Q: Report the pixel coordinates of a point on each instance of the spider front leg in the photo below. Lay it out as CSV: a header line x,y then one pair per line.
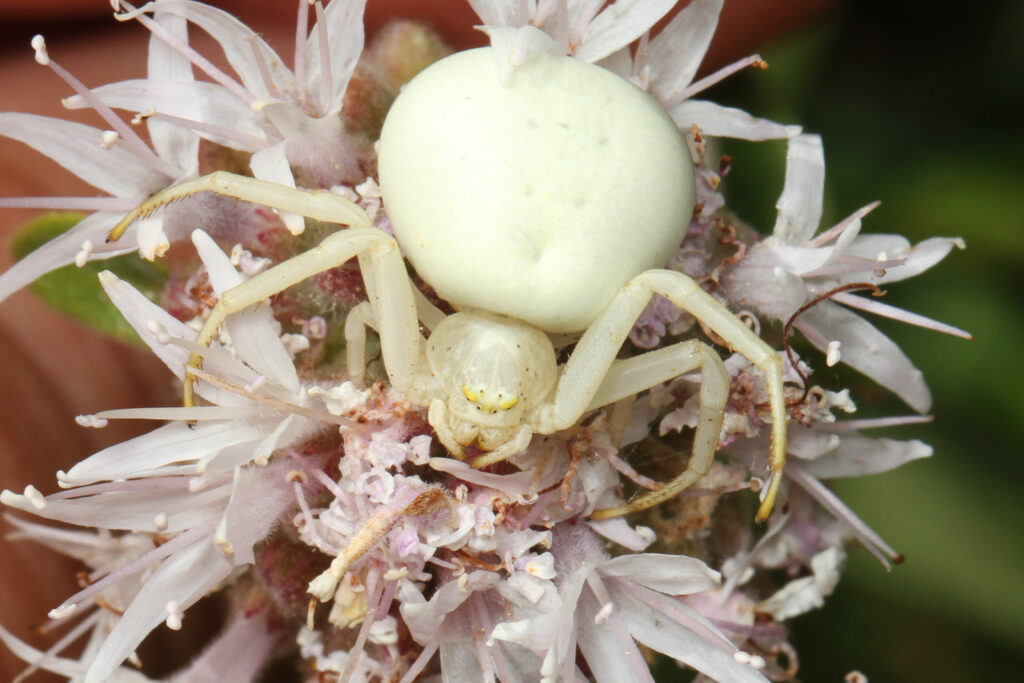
x,y
387,282
593,378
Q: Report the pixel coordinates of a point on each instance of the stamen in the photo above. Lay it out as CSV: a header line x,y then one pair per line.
x,y
839,228
108,139
417,667
832,353
133,141
874,423
261,65
878,308
174,615
71,203
82,257
228,134
301,31
35,497
91,421
204,65
179,542
364,632
39,45
710,80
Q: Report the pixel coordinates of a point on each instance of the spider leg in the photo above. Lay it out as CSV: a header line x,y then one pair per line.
x,y
635,374
389,290
582,384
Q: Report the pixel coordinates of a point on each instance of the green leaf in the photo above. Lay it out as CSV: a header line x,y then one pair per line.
x,y
76,292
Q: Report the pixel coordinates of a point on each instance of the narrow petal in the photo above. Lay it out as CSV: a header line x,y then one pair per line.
x,y
172,443
867,350
271,163
237,654
669,574
619,25
77,148
801,202
675,54
659,632
183,578
858,455
178,145
716,120
62,250
610,651
496,12
345,39
130,510
156,327
254,333
206,103
238,42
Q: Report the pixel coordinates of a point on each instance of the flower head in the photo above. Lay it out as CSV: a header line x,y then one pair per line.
x,y
346,528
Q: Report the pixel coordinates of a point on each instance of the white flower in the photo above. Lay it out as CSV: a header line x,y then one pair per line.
x,y
286,119
664,65
121,165
792,267
193,482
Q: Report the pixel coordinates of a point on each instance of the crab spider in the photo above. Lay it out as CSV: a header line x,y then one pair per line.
x,y
538,202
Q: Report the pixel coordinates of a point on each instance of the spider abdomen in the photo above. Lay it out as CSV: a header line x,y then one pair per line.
x,y
537,198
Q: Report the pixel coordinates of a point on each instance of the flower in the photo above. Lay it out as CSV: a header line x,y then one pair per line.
x,y
331,513
803,267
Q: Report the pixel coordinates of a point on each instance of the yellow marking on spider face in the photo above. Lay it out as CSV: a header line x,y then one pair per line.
x,y
478,398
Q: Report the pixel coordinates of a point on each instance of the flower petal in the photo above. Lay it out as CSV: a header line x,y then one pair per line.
x,y
172,443
254,333
858,455
659,632
866,349
800,204
271,163
669,574
183,578
515,46
206,103
178,145
716,120
345,39
675,54
62,251
619,25
496,12
77,148
239,42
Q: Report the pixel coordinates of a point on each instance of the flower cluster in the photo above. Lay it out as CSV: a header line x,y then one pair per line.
x,y
331,510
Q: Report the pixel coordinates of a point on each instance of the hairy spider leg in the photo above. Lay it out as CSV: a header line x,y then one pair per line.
x,y
387,283
592,377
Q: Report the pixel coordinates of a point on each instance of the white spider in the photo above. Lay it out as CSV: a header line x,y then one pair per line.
x,y
540,205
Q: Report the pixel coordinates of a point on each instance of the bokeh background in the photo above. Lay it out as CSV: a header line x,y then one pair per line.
x,y
920,106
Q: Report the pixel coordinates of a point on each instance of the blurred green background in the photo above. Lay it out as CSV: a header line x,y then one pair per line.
x,y
920,107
